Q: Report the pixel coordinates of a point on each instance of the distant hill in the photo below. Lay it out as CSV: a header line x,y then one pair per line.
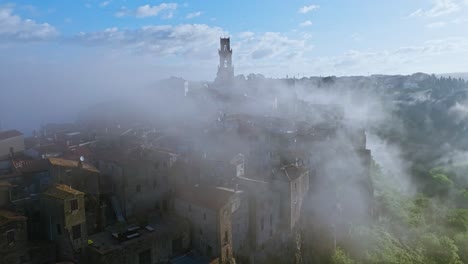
x,y
463,75
430,113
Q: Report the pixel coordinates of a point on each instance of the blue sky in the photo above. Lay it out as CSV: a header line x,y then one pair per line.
x,y
59,56
275,38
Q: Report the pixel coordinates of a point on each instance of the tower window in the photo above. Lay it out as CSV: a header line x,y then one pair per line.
x,y
74,205
225,47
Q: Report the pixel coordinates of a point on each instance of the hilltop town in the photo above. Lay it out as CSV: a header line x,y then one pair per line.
x,y
245,172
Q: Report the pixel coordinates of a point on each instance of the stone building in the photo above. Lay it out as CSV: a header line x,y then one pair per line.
x,y
85,178
140,178
164,237
210,212
63,214
11,143
275,204
13,238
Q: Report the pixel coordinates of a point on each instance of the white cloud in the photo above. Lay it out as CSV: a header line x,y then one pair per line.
x,y
439,24
193,15
306,23
440,8
439,55
273,53
164,9
246,34
147,10
269,49
15,28
308,8
192,40
105,3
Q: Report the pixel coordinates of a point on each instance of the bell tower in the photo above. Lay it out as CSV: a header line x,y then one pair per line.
x,y
225,68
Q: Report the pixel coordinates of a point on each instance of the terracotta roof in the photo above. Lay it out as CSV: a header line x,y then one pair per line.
x,y
62,191
204,196
9,134
71,164
9,216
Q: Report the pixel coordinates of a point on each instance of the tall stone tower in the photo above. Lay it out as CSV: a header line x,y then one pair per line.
x,y
225,68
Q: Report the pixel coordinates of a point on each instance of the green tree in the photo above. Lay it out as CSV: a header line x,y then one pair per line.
x,y
340,257
458,220
439,250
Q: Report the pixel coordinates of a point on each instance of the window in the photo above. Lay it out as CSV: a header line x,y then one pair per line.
x,y
226,237
10,235
59,229
138,188
262,223
201,232
74,205
190,208
204,216
76,232
155,184
271,219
